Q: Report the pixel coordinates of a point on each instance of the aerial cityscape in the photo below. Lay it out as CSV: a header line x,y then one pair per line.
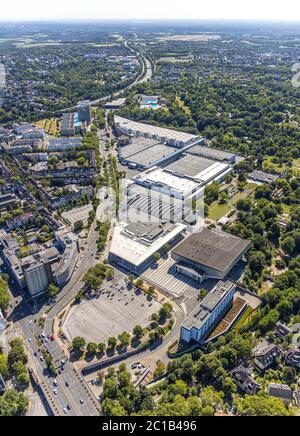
x,y
149,218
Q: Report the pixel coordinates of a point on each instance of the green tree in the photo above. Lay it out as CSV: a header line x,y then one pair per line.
x,y
91,348
156,256
258,405
78,344
138,332
3,365
112,342
13,403
101,348
52,291
124,339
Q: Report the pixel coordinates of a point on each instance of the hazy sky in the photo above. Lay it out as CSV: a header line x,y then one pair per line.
x,y
159,9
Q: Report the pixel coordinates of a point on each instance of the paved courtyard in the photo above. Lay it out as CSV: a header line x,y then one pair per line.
x,y
164,276
78,214
98,319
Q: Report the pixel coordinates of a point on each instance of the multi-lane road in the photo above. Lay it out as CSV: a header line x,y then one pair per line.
x,y
67,393
71,393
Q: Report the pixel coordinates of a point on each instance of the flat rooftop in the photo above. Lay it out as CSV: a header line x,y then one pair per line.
x,y
153,154
155,203
198,167
147,129
117,102
212,153
199,316
162,178
263,176
189,165
212,248
138,242
136,146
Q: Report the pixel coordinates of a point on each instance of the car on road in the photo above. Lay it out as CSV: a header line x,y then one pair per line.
x,y
41,358
65,410
55,391
67,384
81,401
55,382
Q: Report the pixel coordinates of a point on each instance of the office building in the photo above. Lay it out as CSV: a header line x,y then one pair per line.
x,y
202,321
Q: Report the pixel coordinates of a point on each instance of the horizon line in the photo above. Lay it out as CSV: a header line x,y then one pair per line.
x,y
143,20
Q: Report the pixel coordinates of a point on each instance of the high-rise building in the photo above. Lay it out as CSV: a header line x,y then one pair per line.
x,y
84,111
36,278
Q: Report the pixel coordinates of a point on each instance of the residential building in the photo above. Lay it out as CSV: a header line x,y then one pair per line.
x,y
7,200
20,220
69,244
282,330
265,354
245,379
283,392
292,357
64,144
36,278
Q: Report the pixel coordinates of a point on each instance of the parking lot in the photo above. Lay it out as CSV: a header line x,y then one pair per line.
x,y
116,310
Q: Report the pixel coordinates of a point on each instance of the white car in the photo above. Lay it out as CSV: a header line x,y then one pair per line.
x,y
55,382
55,391
65,410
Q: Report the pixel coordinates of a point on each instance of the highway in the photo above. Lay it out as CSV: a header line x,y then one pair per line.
x,y
146,74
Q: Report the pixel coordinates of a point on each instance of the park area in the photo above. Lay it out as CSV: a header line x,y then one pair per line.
x,y
271,164
114,312
218,210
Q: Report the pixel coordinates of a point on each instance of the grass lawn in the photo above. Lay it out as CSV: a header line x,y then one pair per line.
x,y
269,165
217,211
247,315
237,197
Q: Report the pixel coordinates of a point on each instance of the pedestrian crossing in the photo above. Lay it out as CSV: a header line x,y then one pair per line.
x,y
164,276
